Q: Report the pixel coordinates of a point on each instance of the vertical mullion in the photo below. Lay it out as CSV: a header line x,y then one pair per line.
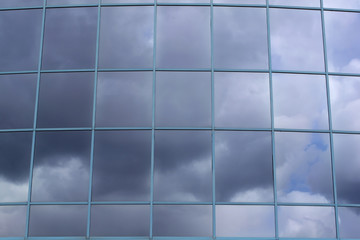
x,y
35,119
93,120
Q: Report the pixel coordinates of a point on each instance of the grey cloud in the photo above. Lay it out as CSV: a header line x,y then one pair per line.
x,y
12,221
348,222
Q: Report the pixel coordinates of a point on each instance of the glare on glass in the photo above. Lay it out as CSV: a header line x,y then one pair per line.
x,y
13,221
349,220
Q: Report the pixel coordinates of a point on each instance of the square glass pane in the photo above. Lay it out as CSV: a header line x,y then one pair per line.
x,y
296,40
234,221
303,167
306,222
12,221
124,99
345,102
120,220
65,100
20,39
347,4
183,37
122,166
70,2
349,221
242,100
303,3
61,166
17,100
241,1
182,220
243,167
15,156
300,101
347,165
70,38
183,99
342,41
240,39
182,166
58,220
126,37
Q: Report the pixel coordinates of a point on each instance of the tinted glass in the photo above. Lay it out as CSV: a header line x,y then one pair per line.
x,y
182,221
20,3
61,166
127,1
124,99
347,162
352,4
345,102
183,99
122,166
57,220
123,220
12,221
243,167
233,221
306,222
17,100
19,38
181,41
303,167
64,47
242,100
349,218
182,166
65,100
241,1
15,155
240,38
342,41
65,2
296,40
300,101
126,37
183,1
305,3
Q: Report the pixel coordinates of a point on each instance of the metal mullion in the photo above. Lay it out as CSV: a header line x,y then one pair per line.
x,y
247,203
241,70
342,10
17,130
124,69
239,5
20,8
126,4
62,129
170,4
58,203
183,69
299,72
72,6
181,203
66,70
294,7
120,203
18,72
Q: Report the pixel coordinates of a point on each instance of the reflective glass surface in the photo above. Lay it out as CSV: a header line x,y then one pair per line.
x,y
20,3
349,219
20,33
243,167
304,3
126,1
183,99
181,41
12,221
126,37
300,101
122,166
61,166
296,40
70,2
182,166
183,1
240,39
70,38
303,167
351,4
241,1
124,99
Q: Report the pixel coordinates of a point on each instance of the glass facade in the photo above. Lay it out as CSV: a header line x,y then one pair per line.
x,y
176,119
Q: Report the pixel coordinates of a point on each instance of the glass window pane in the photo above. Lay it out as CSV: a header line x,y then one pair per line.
x,y
241,1
182,166
12,221
64,47
126,1
306,222
183,99
65,100
352,4
15,155
349,220
182,221
345,103
243,167
121,220
20,39
70,2
240,39
300,101
183,1
242,100
342,41
17,100
58,220
124,99
183,37
122,166
303,167
61,166
20,3
296,40
304,3
126,37
347,165
234,221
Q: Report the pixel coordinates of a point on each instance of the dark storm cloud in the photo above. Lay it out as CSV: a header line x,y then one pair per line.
x,y
20,39
349,218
